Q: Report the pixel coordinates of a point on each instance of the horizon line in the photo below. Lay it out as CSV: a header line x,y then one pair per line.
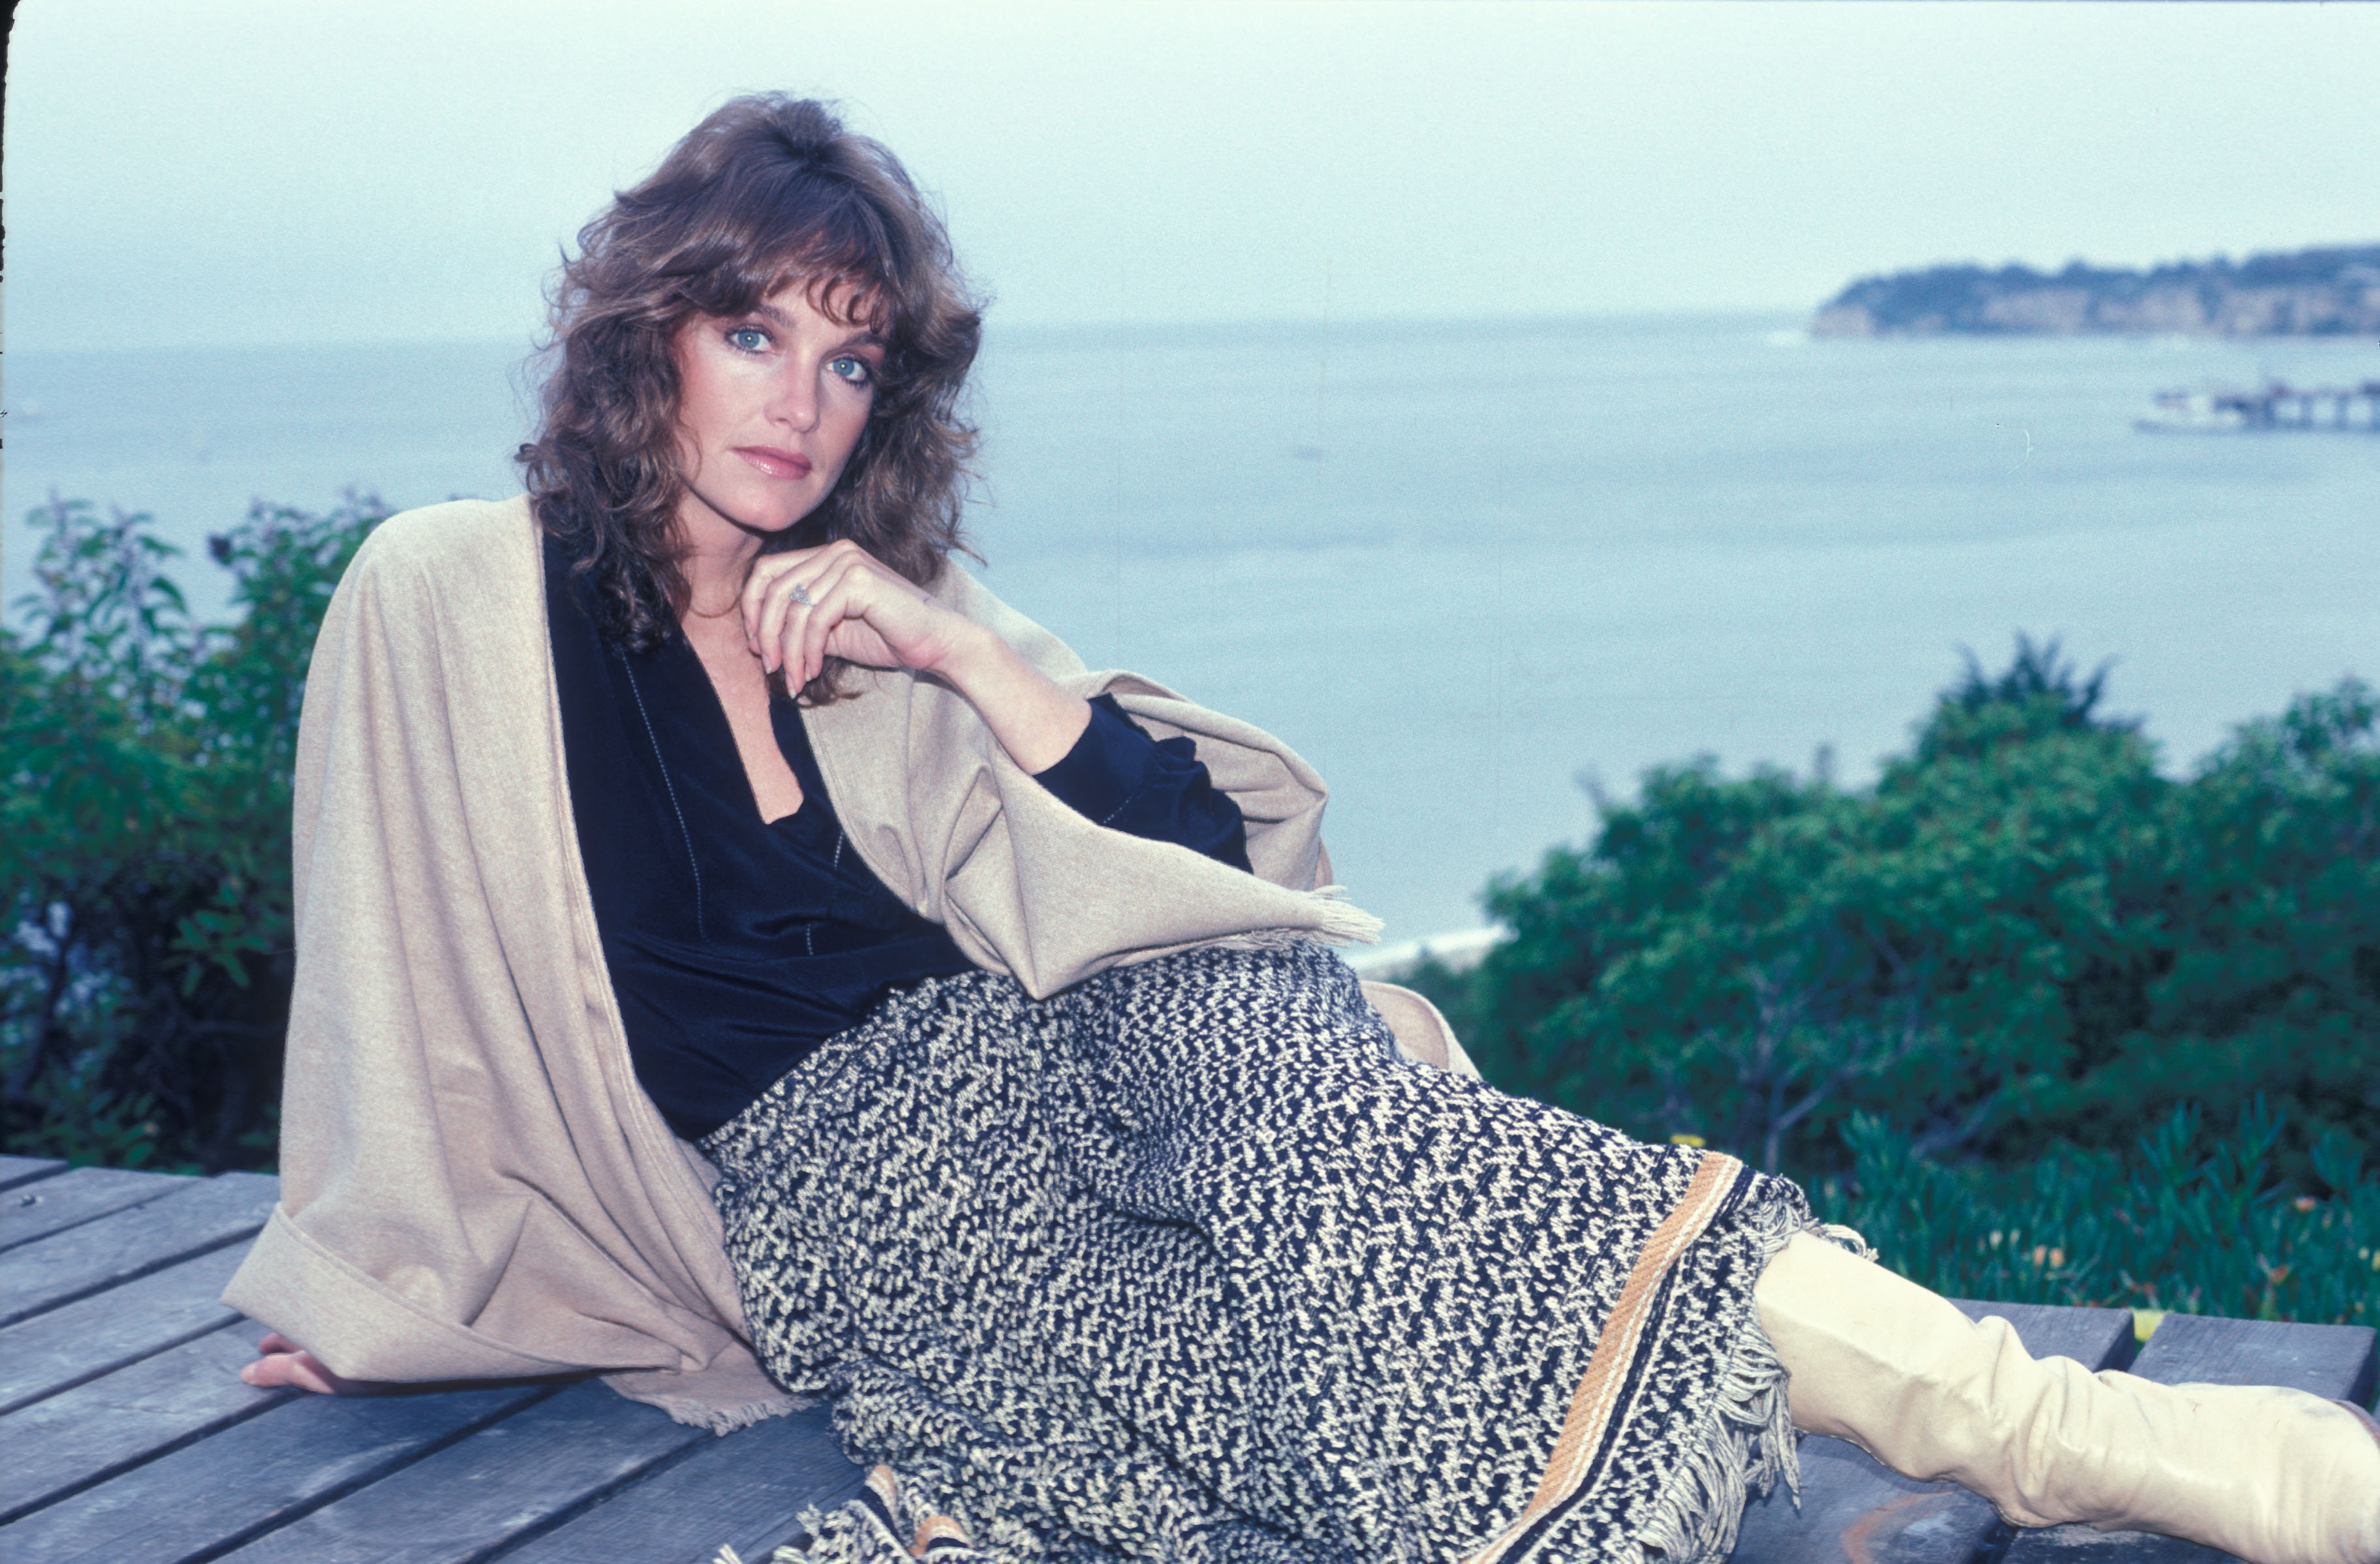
x,y
994,325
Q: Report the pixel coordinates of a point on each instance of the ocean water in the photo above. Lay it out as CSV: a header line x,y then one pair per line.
x,y
1463,567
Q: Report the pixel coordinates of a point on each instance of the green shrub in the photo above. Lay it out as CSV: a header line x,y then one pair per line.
x,y
144,836
2022,935
2160,1228
1977,1007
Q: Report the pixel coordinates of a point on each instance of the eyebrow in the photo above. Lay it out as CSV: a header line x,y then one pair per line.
x,y
778,318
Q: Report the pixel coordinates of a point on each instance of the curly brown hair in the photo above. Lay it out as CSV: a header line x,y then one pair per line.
x,y
768,191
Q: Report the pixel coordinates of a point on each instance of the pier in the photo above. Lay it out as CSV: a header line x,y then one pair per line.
x,y
2275,405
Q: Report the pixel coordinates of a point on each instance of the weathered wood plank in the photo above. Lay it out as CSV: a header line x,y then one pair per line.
x,y
2097,1339
2329,1359
1855,1508
15,1171
205,1214
59,1350
746,1491
250,1478
502,1483
81,1195
97,1429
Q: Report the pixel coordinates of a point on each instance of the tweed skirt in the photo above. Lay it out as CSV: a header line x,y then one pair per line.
x,y
1187,1263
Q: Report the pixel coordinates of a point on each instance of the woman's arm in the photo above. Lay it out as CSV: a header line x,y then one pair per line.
x,y
1120,777
1035,721
804,605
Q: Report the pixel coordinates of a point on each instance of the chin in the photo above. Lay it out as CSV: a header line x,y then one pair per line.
x,y
778,522
756,505
770,514
779,514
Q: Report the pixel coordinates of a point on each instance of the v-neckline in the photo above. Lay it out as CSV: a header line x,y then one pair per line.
x,y
726,729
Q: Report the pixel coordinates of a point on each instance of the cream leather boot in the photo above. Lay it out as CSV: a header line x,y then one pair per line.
x,y
2276,1476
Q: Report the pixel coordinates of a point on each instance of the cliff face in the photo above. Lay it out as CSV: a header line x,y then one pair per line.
x,y
2308,293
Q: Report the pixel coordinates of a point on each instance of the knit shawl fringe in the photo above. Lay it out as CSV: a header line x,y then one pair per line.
x,y
1336,921
723,1419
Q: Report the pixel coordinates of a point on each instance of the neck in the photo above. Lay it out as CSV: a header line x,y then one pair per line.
x,y
715,557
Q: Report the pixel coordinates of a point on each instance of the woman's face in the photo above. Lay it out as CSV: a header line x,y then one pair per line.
x,y
771,406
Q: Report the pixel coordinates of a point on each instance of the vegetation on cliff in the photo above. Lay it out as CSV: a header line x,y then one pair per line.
x,y
2326,292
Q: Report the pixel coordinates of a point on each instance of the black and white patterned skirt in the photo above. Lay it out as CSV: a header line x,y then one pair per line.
x,y
1187,1263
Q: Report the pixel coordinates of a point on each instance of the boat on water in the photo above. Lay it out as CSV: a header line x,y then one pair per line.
x,y
2274,405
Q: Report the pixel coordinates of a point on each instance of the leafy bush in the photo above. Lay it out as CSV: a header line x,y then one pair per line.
x,y
2022,935
2161,1229
1977,1007
144,836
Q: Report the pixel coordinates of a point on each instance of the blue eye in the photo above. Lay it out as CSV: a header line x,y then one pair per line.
x,y
748,339
854,369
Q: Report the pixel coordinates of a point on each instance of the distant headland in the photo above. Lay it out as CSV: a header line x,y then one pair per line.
x,y
2326,292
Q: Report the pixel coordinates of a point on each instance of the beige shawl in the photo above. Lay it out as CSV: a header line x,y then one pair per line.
x,y
473,1186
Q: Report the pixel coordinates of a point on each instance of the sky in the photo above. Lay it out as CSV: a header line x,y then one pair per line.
x,y
224,172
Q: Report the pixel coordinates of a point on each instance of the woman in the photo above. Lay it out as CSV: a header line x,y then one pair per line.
x,y
959,1042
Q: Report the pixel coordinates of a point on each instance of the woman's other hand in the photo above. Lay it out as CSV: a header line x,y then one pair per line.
x,y
283,1361
804,605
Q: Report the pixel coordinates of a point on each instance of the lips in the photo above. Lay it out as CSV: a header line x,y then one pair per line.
x,y
774,462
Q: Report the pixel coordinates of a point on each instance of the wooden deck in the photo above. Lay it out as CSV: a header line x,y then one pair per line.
x,y
125,1435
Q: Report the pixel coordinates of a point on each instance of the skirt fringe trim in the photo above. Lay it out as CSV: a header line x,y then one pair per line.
x,y
1750,1445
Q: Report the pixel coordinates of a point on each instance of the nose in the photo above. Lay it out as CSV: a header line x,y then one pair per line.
x,y
793,397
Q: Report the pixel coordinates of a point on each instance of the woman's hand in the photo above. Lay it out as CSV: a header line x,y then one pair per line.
x,y
804,605
284,1362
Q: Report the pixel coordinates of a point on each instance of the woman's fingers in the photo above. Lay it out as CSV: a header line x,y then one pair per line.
x,y
837,594
794,600
768,598
784,591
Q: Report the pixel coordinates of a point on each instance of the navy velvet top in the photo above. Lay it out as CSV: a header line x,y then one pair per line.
x,y
736,946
